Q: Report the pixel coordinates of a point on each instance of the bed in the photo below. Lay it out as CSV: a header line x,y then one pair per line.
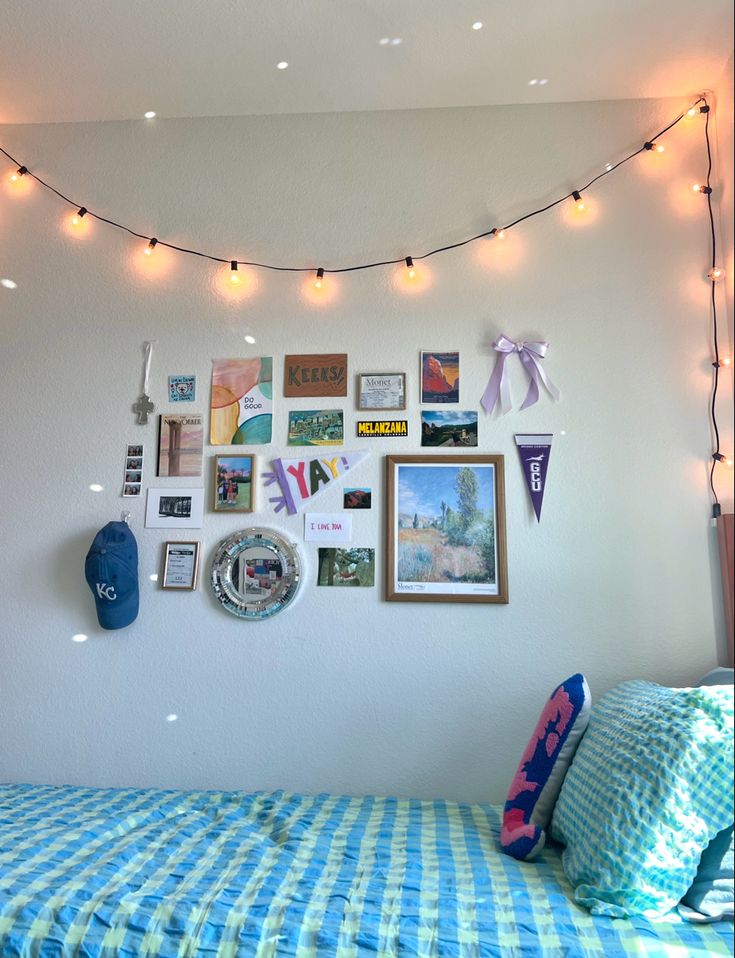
x,y
159,873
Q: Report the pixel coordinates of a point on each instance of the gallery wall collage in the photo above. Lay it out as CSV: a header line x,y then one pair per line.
x,y
445,535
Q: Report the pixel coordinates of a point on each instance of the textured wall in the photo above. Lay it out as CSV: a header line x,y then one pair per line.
x,y
345,692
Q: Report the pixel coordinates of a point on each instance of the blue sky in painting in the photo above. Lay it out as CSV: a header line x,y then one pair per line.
x,y
450,417
422,488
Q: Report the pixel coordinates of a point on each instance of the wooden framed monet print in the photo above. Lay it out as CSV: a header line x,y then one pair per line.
x,y
384,391
445,537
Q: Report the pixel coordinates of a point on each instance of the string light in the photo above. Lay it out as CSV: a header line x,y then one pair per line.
x,y
410,267
78,216
698,188
497,233
318,282
234,277
577,197
716,273
16,175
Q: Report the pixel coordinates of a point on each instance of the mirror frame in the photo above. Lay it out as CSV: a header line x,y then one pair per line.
x,y
231,548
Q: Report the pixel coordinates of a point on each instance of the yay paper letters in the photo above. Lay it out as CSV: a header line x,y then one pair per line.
x,y
303,478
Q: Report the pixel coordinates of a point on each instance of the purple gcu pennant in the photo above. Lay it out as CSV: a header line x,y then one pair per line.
x,y
534,450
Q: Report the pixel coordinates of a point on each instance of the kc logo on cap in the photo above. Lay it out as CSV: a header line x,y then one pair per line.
x,y
111,570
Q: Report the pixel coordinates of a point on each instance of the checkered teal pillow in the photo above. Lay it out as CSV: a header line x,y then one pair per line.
x,y
650,785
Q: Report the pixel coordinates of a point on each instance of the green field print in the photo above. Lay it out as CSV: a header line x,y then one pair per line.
x,y
446,524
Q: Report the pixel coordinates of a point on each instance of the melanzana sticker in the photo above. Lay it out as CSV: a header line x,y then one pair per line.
x,y
375,428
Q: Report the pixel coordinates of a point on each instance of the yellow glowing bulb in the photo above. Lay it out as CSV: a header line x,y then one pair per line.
x,y
726,361
500,234
14,177
319,281
660,148
697,187
150,247
716,273
412,273
234,277
728,462
410,267
580,206
75,221
692,111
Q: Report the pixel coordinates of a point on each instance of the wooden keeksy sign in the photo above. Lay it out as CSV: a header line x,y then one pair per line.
x,y
323,374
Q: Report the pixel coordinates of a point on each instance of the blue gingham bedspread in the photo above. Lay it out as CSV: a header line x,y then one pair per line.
x,y
168,874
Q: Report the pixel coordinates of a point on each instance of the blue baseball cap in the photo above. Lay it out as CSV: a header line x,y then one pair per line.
x,y
111,570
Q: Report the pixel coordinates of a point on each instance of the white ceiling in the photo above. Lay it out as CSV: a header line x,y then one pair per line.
x,y
74,60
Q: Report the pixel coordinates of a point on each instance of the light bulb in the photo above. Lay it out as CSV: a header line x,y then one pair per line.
x,y
319,281
692,111
716,273
78,216
577,197
16,174
151,246
234,277
726,361
655,147
500,234
660,148
410,267
728,462
699,188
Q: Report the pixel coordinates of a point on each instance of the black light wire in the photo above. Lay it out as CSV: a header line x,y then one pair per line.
x,y
350,269
716,507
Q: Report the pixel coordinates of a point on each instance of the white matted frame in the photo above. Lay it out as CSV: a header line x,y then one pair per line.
x,y
174,508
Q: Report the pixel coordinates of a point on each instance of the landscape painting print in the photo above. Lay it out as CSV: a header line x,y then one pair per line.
x,y
445,427
439,377
242,401
446,529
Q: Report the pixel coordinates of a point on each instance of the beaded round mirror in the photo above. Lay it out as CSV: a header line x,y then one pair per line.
x,y
256,573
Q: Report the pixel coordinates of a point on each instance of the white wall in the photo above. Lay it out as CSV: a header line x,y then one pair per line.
x,y
345,692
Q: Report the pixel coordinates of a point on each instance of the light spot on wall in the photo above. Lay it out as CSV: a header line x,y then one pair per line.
x,y
96,487
79,637
172,717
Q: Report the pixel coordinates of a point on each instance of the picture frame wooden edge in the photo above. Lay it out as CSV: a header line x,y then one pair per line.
x,y
235,455
498,460
361,408
197,553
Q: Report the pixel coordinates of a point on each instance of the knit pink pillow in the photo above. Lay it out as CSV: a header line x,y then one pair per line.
x,y
544,763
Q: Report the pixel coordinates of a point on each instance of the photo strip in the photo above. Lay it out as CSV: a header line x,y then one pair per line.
x,y
133,473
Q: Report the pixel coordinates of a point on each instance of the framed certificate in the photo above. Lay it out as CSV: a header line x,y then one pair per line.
x,y
180,565
381,391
